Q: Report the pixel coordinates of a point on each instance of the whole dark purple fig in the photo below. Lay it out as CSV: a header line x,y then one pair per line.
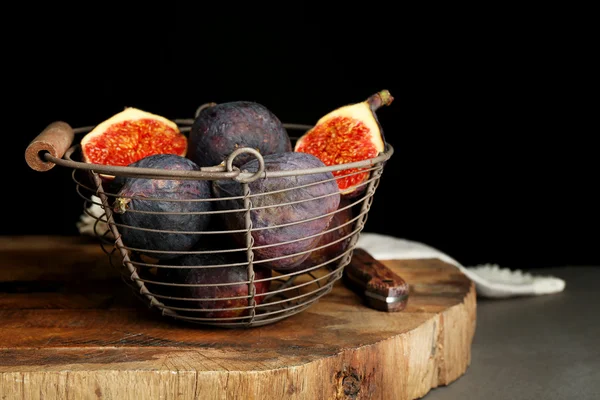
x,y
289,213
146,203
334,242
222,128
231,280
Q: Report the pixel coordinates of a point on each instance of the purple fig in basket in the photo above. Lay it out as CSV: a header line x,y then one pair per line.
x,y
220,129
232,279
294,209
334,241
348,134
145,203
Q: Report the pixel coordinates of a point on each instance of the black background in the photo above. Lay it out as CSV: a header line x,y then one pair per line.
x,y
491,123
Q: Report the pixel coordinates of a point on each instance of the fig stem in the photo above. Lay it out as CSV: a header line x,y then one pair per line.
x,y
382,98
121,205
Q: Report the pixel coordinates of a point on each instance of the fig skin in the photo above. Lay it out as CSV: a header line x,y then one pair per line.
x,y
167,189
218,275
332,250
269,214
222,128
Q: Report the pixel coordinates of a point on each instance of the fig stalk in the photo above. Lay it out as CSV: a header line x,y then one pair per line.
x,y
120,205
382,98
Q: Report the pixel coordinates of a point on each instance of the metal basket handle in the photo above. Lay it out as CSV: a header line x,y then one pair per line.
x,y
55,139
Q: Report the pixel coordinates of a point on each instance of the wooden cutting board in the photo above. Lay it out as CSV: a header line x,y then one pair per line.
x,y
71,329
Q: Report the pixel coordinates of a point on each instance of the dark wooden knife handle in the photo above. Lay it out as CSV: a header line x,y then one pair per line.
x,y
382,288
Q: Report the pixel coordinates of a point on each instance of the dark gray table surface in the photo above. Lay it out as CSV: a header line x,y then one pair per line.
x,y
543,347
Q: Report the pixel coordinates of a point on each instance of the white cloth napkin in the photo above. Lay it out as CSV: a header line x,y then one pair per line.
x,y
490,280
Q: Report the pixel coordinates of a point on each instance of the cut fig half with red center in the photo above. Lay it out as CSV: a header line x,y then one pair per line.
x,y
348,134
130,136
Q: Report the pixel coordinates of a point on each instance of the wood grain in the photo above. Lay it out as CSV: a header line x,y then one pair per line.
x,y
91,338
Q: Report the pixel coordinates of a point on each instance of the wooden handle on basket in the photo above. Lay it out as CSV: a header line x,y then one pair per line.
x,y
55,139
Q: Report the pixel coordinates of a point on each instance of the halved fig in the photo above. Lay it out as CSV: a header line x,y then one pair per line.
x,y
131,135
347,134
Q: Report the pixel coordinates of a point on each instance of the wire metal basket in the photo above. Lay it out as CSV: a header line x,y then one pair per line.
x,y
260,295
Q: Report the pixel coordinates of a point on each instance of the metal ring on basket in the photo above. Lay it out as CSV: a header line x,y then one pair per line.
x,y
249,150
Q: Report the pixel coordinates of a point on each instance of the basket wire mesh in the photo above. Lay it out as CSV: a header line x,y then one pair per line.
x,y
282,293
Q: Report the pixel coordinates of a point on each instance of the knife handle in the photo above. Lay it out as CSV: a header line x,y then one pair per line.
x,y
381,287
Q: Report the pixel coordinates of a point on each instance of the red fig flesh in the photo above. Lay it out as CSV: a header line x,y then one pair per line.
x,y
348,134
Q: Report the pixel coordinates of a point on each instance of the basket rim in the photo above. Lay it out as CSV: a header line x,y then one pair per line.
x,y
217,172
